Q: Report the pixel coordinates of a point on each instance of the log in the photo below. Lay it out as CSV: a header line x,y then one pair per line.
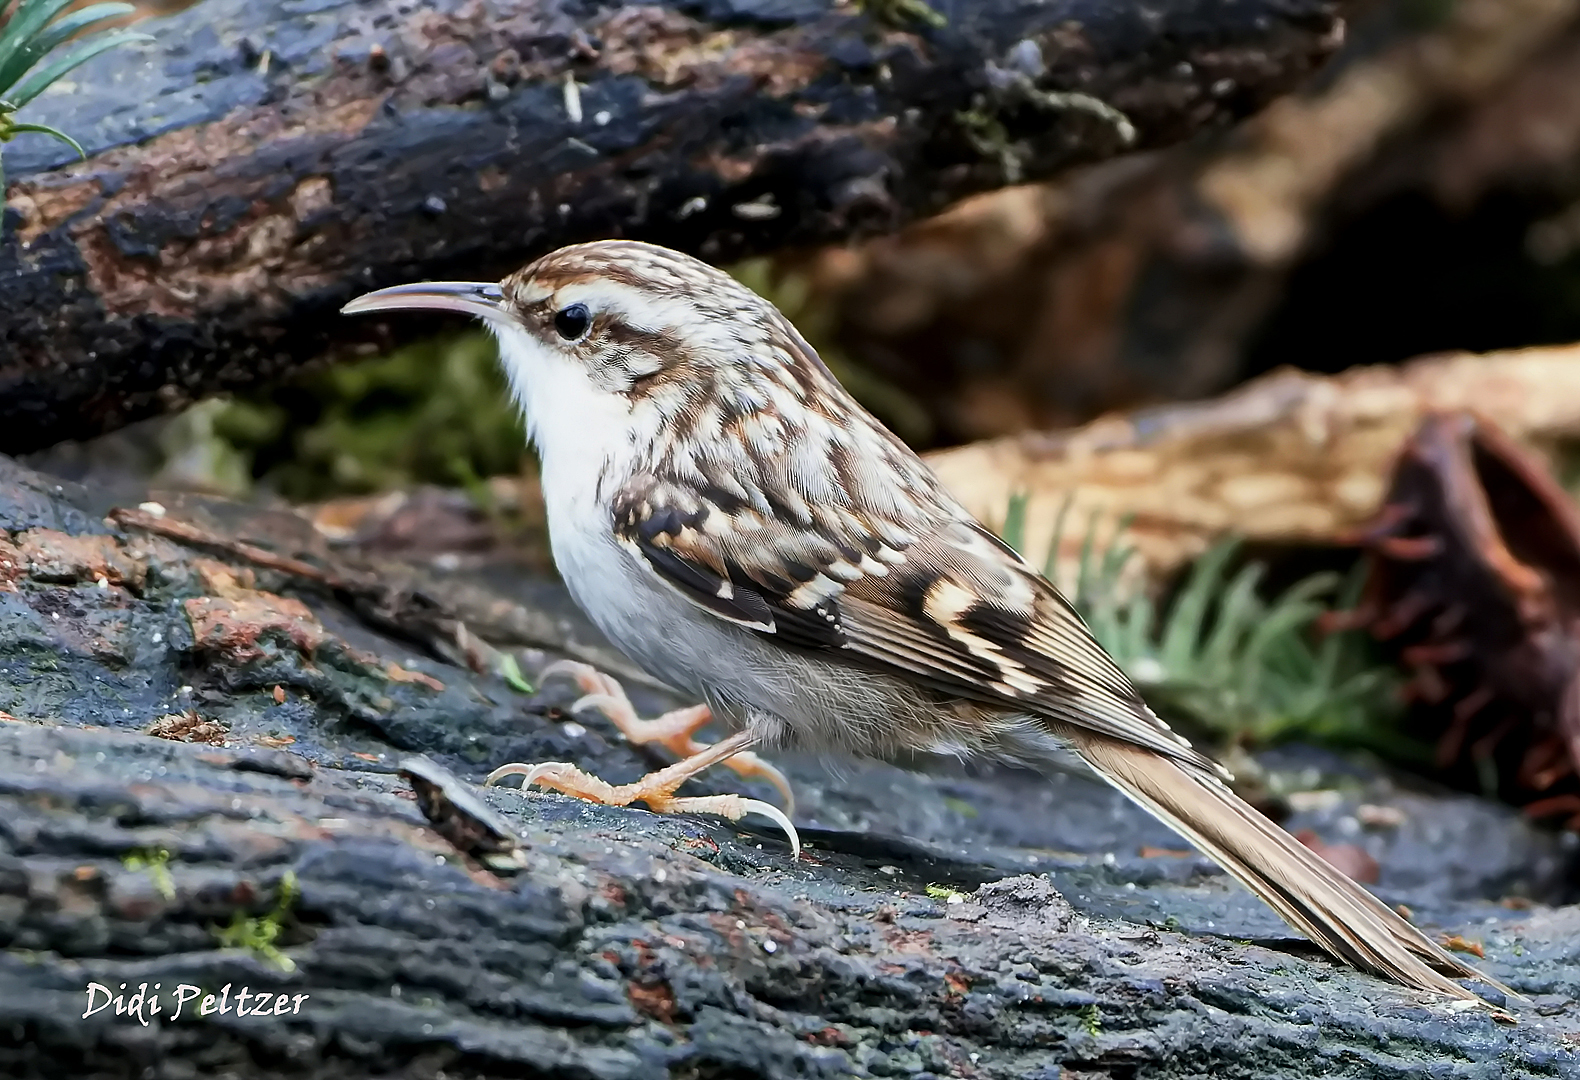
x,y
1289,459
200,788
1167,277
265,160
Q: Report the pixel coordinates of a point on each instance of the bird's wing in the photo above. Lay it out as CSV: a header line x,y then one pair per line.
x,y
940,600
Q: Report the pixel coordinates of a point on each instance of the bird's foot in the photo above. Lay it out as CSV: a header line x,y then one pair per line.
x,y
656,789
673,730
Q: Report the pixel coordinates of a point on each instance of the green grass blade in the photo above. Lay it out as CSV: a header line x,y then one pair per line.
x,y
1235,617
1117,554
19,31
41,79
55,35
1050,561
1183,625
1014,531
1331,650
1291,615
41,129
74,23
1083,570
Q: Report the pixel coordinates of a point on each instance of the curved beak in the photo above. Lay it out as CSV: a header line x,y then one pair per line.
x,y
482,299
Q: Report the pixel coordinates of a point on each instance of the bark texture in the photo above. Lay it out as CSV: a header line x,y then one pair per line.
x,y
1422,195
1288,459
264,161
198,787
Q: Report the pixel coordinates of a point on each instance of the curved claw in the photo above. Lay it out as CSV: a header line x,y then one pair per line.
x,y
604,702
528,773
585,674
777,816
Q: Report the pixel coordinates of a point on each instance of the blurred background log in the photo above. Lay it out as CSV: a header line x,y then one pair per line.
x,y
1421,195
260,163
1292,459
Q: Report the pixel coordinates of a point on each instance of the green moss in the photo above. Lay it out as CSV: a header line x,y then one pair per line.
x,y
258,934
435,411
987,135
1092,1019
901,14
960,806
156,862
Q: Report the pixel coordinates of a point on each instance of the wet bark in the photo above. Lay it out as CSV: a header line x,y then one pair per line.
x,y
265,161
198,789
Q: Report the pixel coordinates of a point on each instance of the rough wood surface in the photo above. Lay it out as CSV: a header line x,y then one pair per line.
x,y
1290,458
982,927
1346,223
264,161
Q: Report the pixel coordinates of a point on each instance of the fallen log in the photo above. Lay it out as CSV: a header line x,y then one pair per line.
x,y
1288,459
261,162
205,789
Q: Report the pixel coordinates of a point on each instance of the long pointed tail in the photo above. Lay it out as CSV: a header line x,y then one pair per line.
x,y
1306,891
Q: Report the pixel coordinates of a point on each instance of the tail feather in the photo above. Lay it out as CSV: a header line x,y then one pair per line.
x,y
1303,888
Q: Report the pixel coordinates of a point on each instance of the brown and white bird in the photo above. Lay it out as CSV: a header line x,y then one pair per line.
x,y
741,528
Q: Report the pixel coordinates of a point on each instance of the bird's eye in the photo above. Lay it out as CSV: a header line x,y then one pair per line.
x,y
572,322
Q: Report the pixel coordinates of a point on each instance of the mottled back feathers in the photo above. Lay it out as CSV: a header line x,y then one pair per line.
x,y
769,498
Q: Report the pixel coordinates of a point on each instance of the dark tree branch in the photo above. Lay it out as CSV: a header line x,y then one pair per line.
x,y
266,160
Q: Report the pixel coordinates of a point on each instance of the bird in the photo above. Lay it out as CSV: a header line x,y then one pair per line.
x,y
730,517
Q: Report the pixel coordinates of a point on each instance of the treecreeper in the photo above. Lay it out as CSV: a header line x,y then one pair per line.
x,y
739,526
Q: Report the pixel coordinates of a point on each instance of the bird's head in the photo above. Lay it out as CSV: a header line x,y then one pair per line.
x,y
620,332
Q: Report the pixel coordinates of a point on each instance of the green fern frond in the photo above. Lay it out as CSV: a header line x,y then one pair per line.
x,y
1241,665
29,34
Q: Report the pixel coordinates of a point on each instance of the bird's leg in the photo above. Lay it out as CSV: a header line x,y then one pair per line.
x,y
673,730
657,789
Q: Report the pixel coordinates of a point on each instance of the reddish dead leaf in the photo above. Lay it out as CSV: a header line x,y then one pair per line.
x,y
399,674
279,694
234,626
276,740
655,999
364,757
54,556
1353,861
1463,944
1474,577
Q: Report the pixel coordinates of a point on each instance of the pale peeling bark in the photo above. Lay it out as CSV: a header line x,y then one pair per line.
x,y
1290,458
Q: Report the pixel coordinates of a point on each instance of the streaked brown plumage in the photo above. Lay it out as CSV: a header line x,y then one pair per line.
x,y
732,519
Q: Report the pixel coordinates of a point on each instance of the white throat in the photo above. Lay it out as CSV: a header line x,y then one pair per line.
x,y
582,432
